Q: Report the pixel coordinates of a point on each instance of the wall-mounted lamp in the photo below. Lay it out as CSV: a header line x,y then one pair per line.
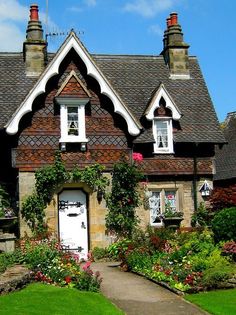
x,y
63,146
205,189
83,147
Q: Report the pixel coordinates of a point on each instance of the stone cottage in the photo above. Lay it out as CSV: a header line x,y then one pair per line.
x,y
98,108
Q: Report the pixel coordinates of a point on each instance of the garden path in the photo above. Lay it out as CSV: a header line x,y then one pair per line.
x,y
136,295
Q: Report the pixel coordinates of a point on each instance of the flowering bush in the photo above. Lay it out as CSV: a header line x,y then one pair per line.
x,y
229,248
186,261
123,199
51,264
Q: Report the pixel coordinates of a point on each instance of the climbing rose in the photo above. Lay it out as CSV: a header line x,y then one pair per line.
x,y
138,157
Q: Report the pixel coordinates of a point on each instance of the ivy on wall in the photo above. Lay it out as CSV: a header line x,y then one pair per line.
x,y
48,180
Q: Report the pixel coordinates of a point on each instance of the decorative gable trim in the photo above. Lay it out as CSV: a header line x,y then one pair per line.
x,y
154,104
67,80
72,41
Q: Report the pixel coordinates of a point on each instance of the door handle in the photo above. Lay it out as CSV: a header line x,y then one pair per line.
x,y
83,225
72,214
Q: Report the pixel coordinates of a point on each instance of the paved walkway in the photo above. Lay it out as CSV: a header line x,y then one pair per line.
x,y
137,296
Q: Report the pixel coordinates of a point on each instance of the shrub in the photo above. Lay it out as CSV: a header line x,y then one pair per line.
x,y
229,249
215,276
99,253
123,199
51,264
224,225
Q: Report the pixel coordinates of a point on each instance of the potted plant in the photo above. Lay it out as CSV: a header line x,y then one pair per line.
x,y
7,215
171,217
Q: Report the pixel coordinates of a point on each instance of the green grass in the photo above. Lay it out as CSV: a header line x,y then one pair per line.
x,y
220,302
42,299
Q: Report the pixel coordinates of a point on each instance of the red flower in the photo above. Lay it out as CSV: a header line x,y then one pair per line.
x,y
67,279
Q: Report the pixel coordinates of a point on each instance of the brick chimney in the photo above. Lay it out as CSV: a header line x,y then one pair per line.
x,y
34,47
175,51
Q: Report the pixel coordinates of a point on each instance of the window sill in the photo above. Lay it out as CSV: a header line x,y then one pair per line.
x,y
73,139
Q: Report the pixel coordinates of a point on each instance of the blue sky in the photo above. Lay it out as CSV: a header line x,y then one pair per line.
x,y
136,27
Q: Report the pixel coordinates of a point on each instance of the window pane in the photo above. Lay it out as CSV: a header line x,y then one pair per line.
x,y
72,121
170,200
155,207
162,134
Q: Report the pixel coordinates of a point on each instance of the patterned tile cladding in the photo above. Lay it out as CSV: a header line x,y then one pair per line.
x,y
31,159
134,78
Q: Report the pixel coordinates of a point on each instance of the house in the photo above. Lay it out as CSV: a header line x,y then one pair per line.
x,y
225,176
98,108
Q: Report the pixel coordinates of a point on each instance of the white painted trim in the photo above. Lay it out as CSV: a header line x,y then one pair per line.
x,y
170,148
80,104
53,68
154,104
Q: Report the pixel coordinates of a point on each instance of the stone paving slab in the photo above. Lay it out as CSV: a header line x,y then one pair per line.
x,y
136,295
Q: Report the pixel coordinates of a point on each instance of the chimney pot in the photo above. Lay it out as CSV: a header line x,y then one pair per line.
x,y
174,18
34,16
168,22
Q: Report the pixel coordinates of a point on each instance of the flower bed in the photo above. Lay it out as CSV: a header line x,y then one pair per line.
x,y
188,262
51,264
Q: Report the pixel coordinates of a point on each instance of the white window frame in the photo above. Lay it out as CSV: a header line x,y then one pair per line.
x,y
162,202
169,148
65,103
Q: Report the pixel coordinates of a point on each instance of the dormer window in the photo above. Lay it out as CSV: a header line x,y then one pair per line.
x,y
72,117
163,135
162,111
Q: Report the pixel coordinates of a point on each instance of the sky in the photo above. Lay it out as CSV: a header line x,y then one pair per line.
x,y
136,27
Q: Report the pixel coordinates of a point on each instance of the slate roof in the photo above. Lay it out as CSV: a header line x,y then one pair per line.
x,y
226,157
134,78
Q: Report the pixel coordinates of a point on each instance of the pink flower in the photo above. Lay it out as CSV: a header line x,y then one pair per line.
x,y
138,157
86,265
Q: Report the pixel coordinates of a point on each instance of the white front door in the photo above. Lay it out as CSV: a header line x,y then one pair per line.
x,y
73,227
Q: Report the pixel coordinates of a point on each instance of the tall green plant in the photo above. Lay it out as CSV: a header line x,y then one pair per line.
x,y
123,199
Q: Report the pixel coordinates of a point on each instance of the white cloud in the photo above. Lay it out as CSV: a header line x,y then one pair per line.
x,y
13,23
90,3
156,29
149,8
8,32
13,10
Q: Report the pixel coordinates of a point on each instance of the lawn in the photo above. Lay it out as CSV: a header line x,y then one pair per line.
x,y
38,299
220,302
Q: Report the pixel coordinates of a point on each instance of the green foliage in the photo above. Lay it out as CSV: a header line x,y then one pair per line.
x,y
218,302
92,176
184,260
53,265
48,180
201,216
4,200
33,212
99,253
123,199
9,259
224,225
118,248
216,275
38,299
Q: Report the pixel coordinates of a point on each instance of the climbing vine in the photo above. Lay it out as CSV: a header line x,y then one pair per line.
x,y
48,180
123,199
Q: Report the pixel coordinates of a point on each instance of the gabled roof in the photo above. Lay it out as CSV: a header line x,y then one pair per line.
x,y
154,103
130,80
226,156
52,69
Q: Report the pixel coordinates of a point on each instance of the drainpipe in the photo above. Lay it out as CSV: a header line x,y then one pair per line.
x,y
195,178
